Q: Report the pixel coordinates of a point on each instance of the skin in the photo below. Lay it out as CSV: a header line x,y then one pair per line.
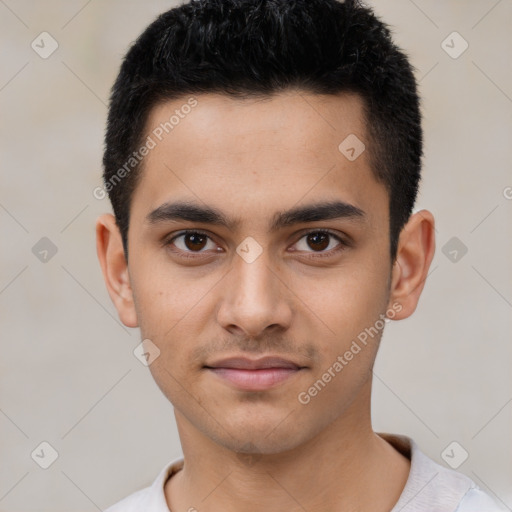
x,y
250,159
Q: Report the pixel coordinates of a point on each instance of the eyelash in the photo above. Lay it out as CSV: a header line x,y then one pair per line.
x,y
315,255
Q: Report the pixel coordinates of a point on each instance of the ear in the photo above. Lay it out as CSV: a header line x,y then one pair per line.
x,y
109,247
416,247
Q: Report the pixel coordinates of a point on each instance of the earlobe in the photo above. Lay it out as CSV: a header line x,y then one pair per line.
x,y
415,252
113,263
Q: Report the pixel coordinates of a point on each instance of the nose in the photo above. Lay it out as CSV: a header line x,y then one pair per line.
x,y
256,298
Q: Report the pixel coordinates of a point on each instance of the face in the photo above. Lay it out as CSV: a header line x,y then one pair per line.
x,y
265,294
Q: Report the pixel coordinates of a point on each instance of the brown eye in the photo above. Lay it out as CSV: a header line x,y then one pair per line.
x,y
318,241
191,242
195,241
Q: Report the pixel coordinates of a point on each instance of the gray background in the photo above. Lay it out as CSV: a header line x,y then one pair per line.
x,y
68,373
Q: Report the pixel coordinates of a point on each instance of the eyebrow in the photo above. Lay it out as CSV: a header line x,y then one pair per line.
x,y
192,212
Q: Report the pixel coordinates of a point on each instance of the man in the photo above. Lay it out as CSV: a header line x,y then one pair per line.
x,y
263,159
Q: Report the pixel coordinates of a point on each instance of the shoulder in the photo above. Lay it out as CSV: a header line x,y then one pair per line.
x,y
476,500
431,486
152,498
130,503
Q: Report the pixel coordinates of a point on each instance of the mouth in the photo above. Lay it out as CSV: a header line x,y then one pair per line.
x,y
254,374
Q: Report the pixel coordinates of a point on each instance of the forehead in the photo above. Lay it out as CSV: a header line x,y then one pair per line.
x,y
245,153
281,122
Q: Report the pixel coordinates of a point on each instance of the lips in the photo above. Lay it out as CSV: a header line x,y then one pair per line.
x,y
254,374
242,363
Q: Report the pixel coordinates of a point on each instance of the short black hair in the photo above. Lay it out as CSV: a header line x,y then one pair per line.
x,y
255,48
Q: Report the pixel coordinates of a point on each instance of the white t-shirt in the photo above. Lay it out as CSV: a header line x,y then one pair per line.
x,y
430,487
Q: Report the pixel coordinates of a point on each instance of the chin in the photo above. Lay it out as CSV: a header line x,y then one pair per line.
x,y
264,435
260,445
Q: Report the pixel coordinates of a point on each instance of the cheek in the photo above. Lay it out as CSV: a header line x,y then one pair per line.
x,y
172,310
347,340
165,293
345,302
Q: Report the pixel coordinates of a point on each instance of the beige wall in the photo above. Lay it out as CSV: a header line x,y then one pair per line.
x,y
68,375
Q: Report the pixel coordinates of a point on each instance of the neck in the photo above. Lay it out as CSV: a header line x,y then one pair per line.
x,y
345,467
